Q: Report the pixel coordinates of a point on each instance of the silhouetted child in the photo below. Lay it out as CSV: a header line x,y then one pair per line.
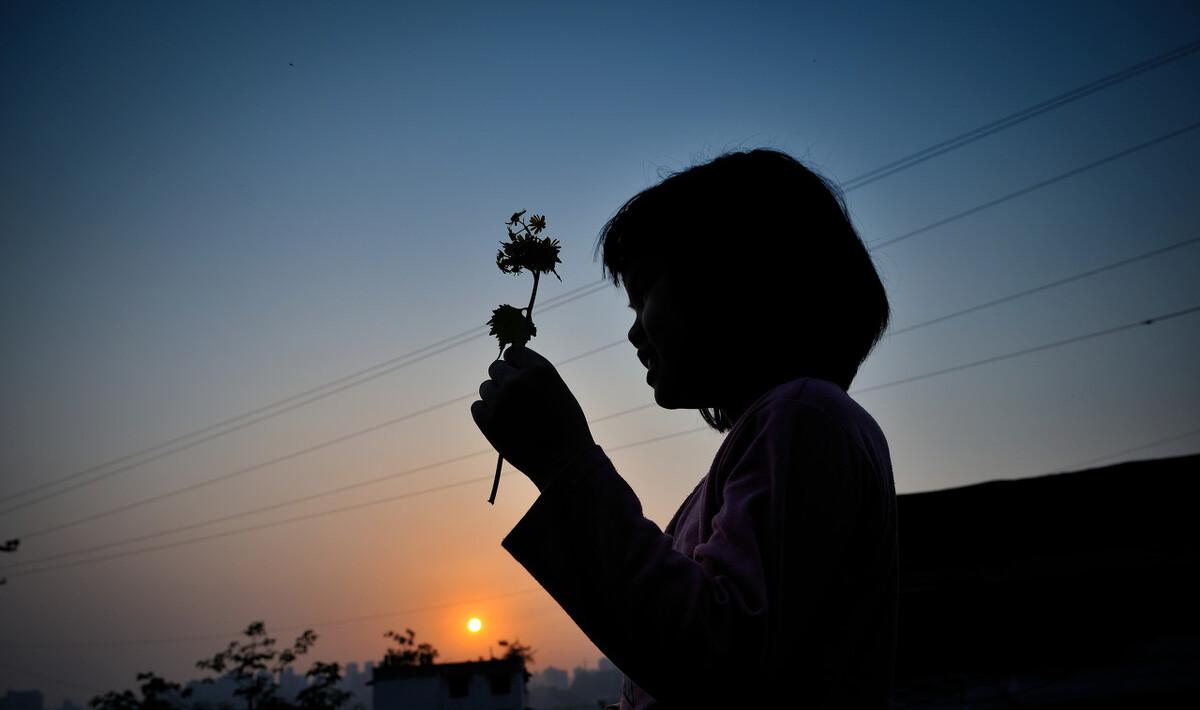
x,y
775,583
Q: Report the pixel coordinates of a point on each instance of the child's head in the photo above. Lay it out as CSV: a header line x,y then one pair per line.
x,y
768,281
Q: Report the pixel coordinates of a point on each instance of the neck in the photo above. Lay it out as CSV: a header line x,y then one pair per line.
x,y
736,403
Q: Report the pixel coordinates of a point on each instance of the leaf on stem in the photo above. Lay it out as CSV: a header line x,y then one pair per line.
x,y
510,325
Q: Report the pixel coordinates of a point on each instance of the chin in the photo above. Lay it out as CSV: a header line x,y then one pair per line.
x,y
668,397
662,395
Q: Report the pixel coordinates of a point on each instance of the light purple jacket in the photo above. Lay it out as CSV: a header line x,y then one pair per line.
x,y
776,578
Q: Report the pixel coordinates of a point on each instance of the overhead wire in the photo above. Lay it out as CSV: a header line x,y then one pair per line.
x,y
379,615
615,343
309,396
358,506
1038,185
1021,116
231,424
279,459
1028,351
860,181
194,638
297,501
376,427
433,607
1047,286
1132,449
317,514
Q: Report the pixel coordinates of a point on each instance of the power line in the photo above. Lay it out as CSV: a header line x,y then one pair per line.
x,y
301,499
318,514
1122,452
263,509
312,625
324,494
308,396
1021,116
251,528
1046,286
1039,185
227,533
432,607
285,457
340,439
1027,351
232,516
183,437
232,424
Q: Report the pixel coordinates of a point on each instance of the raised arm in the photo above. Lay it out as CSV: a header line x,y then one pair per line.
x,y
694,631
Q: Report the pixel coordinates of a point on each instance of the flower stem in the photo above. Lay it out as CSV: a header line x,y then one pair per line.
x,y
496,480
500,457
532,296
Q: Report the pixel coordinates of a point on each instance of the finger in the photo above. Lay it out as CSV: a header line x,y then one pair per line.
x,y
500,371
481,414
487,391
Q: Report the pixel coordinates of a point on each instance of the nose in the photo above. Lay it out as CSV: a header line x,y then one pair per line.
x,y
636,336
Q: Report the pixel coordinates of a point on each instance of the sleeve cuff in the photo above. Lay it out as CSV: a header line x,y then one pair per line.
x,y
542,520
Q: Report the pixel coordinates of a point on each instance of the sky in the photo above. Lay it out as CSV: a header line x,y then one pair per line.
x,y
208,209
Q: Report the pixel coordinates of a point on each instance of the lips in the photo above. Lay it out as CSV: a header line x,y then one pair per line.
x,y
646,358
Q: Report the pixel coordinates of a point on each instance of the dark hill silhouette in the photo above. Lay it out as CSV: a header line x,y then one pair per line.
x,y
1054,591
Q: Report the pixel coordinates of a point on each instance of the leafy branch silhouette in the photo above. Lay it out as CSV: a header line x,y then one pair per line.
x,y
525,250
520,651
407,652
256,667
255,663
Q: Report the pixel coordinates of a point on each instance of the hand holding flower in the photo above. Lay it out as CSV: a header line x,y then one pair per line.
x,y
530,416
524,250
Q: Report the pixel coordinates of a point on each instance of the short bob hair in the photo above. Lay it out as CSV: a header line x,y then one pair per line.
x,y
773,240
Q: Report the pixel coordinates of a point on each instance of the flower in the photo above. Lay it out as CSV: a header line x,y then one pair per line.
x,y
528,252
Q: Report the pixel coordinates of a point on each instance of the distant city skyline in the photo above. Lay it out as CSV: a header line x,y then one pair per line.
x,y
580,681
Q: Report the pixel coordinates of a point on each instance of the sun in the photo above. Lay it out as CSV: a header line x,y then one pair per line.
x,y
474,625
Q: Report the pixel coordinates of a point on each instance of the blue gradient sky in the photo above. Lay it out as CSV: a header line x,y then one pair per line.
x,y
208,209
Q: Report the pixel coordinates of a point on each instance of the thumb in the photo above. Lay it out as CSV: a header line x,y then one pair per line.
x,y
521,356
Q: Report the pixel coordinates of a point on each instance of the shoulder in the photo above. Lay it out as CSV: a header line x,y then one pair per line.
x,y
810,404
813,399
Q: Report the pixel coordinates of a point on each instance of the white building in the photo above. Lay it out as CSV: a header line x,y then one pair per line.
x,y
474,685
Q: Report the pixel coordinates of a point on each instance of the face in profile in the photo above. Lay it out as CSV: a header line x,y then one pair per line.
x,y
674,340
698,349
